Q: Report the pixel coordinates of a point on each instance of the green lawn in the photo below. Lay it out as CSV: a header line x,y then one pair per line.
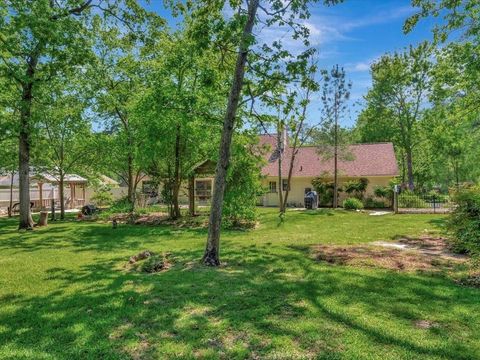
x,y
64,294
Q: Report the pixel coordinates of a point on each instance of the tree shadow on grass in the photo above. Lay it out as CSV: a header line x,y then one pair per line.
x,y
264,302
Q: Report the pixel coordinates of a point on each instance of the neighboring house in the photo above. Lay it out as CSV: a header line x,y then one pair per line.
x,y
196,191
44,189
375,162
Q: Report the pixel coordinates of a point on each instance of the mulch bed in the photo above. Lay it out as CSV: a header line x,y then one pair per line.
x,y
423,253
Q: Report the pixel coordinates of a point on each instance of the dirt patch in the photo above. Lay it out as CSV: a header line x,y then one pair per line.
x,y
472,279
424,253
425,324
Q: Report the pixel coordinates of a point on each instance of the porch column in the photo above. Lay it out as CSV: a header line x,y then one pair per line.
x,y
191,195
72,194
83,191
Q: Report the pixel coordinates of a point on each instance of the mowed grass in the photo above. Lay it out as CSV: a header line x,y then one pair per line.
x,y
65,294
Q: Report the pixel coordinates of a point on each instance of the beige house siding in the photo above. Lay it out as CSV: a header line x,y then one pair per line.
x,y
299,184
183,193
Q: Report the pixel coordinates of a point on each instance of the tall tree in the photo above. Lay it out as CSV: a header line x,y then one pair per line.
x,y
335,95
119,77
293,130
37,41
183,103
65,143
275,12
399,93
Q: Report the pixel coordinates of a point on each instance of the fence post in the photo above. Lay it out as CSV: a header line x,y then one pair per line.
x,y
395,200
434,204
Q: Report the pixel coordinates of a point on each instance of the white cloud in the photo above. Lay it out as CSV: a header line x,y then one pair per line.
x,y
359,67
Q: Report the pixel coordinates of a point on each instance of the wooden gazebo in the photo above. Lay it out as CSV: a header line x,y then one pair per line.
x,y
75,183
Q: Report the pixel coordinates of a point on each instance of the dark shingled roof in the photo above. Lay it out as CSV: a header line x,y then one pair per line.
x,y
363,160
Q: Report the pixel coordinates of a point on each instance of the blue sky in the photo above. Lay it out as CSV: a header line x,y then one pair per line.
x,y
353,34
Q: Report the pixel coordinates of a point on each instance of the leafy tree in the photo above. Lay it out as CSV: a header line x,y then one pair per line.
x,y
291,105
456,15
242,24
119,77
401,83
38,40
65,143
243,182
335,95
183,103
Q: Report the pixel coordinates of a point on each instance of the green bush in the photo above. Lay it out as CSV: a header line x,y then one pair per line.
x,y
243,187
356,188
464,221
352,204
323,185
385,192
372,203
102,195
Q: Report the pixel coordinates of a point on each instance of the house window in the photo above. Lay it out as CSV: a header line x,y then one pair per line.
x,y
272,187
203,190
148,187
285,184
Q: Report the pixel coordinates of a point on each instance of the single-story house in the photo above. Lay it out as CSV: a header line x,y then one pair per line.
x,y
375,162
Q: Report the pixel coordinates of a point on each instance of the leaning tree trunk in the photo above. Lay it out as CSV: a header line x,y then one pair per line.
x,y
211,256
280,185
289,177
26,221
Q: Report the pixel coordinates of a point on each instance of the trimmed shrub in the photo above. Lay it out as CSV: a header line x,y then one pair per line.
x,y
356,188
464,221
324,186
102,195
385,192
352,204
372,203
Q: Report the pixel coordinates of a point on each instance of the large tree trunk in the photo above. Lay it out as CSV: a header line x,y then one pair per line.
x,y
411,185
211,256
61,187
289,178
191,195
26,221
176,186
10,205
